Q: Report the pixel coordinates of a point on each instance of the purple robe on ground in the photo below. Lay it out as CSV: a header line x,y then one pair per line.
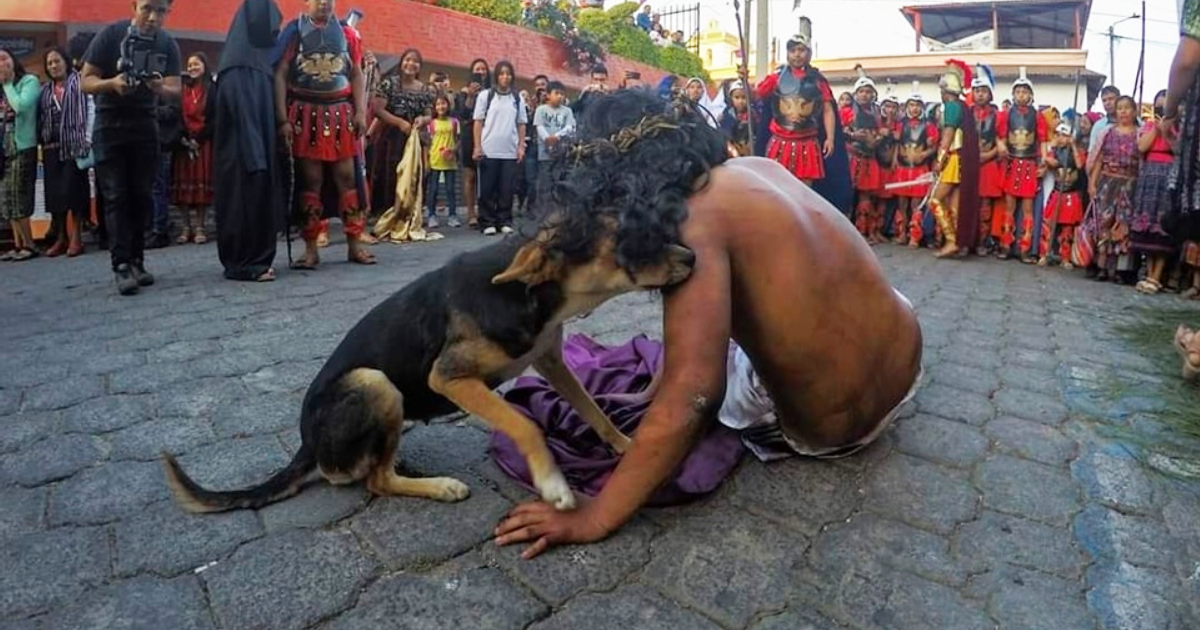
x,y
618,379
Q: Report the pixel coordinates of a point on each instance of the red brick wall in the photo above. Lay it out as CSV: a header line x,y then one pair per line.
x,y
445,38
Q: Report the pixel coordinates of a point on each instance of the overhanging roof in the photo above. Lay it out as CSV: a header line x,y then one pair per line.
x,y
1021,23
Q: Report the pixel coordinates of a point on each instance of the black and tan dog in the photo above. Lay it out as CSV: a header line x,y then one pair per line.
x,y
446,340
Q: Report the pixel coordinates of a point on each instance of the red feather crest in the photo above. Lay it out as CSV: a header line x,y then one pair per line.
x,y
964,69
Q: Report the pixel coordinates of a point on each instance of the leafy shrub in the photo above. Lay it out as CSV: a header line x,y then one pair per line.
x,y
507,11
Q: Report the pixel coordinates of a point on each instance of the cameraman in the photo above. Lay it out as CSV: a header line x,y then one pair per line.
x,y
128,67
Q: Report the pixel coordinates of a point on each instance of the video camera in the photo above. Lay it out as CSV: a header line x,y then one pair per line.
x,y
139,62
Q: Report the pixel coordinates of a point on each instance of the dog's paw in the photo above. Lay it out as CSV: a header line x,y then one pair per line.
x,y
449,489
556,492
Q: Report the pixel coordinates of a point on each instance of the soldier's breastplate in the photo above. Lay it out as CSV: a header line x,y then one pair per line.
x,y
798,100
1022,133
987,130
912,144
1067,177
322,64
865,119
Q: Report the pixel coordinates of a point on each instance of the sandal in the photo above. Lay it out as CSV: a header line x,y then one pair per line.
x,y
266,276
306,263
362,257
1148,286
1193,293
201,238
185,237
24,254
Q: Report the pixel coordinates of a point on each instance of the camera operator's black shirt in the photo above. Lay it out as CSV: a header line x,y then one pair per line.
x,y
132,117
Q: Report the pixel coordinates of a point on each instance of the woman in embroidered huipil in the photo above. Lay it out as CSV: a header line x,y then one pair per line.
x,y
1112,175
19,93
63,134
191,182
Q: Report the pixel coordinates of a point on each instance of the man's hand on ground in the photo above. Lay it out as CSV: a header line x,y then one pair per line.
x,y
541,523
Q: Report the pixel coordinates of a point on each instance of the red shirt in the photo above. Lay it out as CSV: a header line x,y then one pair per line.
x,y
1160,150
194,99
353,44
1002,123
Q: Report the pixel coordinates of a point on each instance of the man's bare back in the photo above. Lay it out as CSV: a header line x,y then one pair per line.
x,y
778,270
835,346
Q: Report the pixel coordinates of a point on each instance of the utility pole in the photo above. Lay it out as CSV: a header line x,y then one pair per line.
x,y
1112,48
747,39
762,39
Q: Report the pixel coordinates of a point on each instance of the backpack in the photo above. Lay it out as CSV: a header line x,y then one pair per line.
x,y
487,104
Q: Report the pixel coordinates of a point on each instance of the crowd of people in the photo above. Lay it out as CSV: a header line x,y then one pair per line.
x,y
387,151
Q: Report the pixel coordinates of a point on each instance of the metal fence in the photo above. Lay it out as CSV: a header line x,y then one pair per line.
x,y
682,18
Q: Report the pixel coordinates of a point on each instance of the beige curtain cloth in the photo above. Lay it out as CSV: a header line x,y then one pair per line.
x,y
404,221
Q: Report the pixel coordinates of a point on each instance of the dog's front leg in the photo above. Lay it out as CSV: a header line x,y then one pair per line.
x,y
474,396
564,381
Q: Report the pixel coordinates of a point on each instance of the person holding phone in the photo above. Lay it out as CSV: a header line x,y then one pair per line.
x,y
464,110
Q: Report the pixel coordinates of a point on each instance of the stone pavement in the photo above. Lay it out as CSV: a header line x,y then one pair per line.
x,y
1000,500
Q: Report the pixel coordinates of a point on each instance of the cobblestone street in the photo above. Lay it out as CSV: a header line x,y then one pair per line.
x,y
1009,495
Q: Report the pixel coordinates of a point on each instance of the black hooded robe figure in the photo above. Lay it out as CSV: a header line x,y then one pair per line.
x,y
247,186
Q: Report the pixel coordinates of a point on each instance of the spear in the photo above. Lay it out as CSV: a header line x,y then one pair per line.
x,y
737,13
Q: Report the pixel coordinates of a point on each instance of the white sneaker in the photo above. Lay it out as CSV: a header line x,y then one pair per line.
x,y
489,231
453,222
506,230
432,222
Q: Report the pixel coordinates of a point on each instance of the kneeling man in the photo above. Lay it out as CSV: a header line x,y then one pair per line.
x,y
824,350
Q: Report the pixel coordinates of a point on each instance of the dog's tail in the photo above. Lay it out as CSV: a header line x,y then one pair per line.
x,y
283,484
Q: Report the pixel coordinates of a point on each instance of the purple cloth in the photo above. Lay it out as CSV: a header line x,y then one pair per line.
x,y
617,379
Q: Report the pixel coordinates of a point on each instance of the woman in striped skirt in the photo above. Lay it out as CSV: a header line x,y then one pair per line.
x,y
19,93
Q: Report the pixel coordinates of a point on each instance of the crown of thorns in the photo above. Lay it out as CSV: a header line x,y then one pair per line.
x,y
624,139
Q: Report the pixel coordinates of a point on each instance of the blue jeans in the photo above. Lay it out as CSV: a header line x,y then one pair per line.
x,y
431,192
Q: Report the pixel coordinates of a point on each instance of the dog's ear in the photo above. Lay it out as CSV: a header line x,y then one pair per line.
x,y
531,265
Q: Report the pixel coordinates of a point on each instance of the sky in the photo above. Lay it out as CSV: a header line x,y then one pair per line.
x,y
845,28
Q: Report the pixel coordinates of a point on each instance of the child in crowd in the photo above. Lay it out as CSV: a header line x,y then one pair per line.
x,y
553,120
1065,159
735,122
443,162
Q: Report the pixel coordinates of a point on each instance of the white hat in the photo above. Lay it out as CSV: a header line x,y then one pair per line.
x,y
983,78
1023,80
737,85
863,80
1063,127
916,94
803,35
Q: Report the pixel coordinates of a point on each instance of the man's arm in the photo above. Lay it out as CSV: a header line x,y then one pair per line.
x,y
93,82
696,328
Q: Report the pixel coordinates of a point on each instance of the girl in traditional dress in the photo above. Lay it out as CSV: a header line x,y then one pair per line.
x,y
1152,199
63,122
1112,175
191,181
402,104
19,94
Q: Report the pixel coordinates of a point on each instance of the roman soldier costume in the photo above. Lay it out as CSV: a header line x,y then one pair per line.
x,y
885,150
1023,130
959,162
991,170
863,122
796,98
320,59
1024,133
1064,209
917,141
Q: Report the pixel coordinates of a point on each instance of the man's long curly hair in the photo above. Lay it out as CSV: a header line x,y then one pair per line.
x,y
635,159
